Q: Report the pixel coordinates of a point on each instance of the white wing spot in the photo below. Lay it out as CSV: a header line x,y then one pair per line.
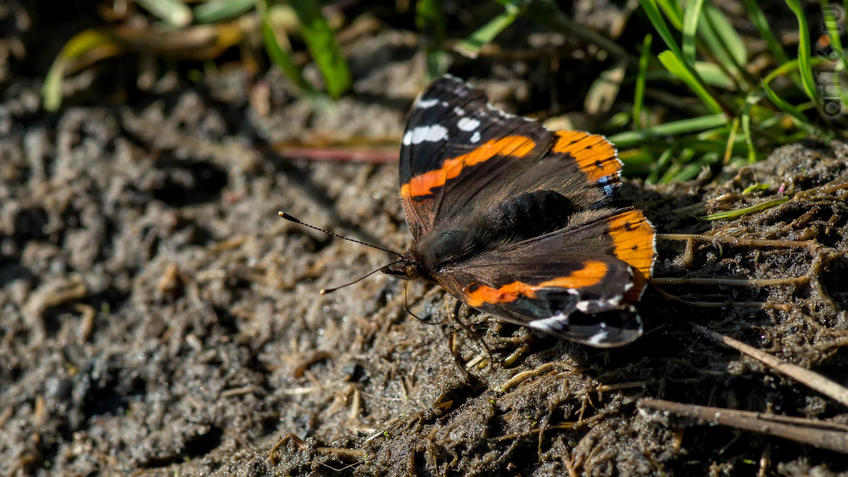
x,y
467,124
598,338
475,137
426,103
594,306
432,133
552,324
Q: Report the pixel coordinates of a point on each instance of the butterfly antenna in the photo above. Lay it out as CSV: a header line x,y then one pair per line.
x,y
324,291
291,218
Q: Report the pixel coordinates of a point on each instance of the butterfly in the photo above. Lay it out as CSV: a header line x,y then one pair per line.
x,y
519,221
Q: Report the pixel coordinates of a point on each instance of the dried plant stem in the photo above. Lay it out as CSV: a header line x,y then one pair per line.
x,y
820,434
741,242
738,282
809,378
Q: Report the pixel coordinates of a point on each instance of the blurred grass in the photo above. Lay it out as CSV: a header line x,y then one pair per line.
x,y
81,44
484,35
702,95
322,46
430,21
277,53
709,57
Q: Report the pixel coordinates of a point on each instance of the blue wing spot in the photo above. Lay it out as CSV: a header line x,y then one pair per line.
x,y
609,190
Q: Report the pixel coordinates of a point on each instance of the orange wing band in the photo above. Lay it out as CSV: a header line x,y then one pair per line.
x,y
509,146
633,237
591,273
594,154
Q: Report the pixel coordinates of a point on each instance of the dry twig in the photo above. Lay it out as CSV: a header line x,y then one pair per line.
x,y
809,378
817,433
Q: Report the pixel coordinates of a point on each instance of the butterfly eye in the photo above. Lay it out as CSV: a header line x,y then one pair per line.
x,y
411,270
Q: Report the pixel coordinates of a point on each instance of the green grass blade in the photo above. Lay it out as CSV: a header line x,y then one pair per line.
x,y
789,67
656,18
429,18
430,21
470,47
78,45
805,68
685,155
51,90
716,35
322,45
732,214
758,18
731,139
727,36
788,108
692,170
783,69
633,138
746,128
755,187
690,27
172,12
713,75
215,11
675,66
672,10
278,55
662,163
639,94
782,104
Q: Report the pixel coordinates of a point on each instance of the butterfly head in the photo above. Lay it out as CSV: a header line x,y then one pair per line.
x,y
406,267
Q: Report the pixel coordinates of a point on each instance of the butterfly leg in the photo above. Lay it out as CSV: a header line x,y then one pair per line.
x,y
455,316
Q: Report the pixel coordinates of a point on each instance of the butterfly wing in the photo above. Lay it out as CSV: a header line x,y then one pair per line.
x,y
581,293
460,154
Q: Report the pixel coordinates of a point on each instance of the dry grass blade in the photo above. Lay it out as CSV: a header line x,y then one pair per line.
x,y
809,378
807,431
740,242
372,156
737,282
526,374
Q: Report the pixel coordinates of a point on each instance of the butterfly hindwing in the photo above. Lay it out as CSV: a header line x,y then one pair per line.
x,y
548,283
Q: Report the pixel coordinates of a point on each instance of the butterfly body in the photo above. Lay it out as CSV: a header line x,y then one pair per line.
x,y
517,221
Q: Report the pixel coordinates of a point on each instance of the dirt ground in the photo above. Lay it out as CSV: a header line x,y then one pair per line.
x,y
158,318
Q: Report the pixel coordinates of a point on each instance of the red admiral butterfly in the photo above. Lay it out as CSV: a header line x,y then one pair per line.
x,y
517,221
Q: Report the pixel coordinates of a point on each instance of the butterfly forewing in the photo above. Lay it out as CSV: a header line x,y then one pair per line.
x,y
460,154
